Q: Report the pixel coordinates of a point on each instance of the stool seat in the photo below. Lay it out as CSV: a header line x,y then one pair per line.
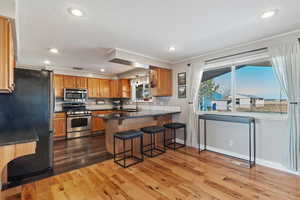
x,y
174,125
125,135
153,129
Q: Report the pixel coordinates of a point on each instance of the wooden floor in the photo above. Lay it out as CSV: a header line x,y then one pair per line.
x,y
173,175
78,153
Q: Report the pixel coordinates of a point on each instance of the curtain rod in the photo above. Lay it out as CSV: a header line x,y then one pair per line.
x,y
237,54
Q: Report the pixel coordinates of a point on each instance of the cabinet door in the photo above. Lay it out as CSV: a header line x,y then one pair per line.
x,y
69,82
166,82
161,81
104,88
125,88
93,87
12,61
98,124
58,85
81,83
114,89
59,125
6,56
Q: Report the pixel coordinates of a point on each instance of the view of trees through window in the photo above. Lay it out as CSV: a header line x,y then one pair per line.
x,y
256,90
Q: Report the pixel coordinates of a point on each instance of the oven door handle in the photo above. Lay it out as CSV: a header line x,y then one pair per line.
x,y
77,117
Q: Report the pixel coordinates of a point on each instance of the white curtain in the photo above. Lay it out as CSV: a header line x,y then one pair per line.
x,y
286,62
194,78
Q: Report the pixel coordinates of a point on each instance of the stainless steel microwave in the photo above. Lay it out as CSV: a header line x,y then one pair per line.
x,y
75,95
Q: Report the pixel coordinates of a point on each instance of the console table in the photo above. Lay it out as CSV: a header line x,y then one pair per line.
x,y
234,119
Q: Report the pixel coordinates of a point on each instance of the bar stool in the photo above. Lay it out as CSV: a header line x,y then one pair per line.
x,y
173,144
124,136
154,149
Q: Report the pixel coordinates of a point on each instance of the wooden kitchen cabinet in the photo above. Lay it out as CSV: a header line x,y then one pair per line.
x,y
59,125
7,57
125,88
58,81
120,88
81,83
97,88
69,82
114,89
98,124
104,88
93,87
161,81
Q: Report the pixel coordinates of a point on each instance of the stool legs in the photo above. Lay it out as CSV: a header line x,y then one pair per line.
x,y
174,144
154,149
128,154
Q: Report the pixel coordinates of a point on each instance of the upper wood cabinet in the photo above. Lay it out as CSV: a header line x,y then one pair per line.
x,y
97,88
63,81
81,82
69,82
7,57
161,81
104,88
93,87
114,89
58,81
125,88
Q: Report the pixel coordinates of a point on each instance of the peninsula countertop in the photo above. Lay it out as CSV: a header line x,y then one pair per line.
x,y
139,114
16,134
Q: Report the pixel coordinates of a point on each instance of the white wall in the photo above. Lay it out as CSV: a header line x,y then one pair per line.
x,y
272,138
7,8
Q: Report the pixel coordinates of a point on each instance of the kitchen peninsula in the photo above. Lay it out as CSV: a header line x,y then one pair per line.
x,y
117,122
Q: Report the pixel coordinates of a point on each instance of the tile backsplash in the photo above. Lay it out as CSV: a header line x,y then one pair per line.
x,y
158,103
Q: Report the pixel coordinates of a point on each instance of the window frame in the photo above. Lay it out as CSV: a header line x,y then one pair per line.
x,y
133,91
233,88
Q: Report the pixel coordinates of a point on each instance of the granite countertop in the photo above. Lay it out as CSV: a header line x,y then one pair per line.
x,y
100,109
140,114
17,135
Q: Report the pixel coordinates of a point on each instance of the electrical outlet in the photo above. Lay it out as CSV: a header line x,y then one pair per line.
x,y
231,142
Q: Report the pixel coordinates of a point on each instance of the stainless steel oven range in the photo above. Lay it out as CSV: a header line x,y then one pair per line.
x,y
78,120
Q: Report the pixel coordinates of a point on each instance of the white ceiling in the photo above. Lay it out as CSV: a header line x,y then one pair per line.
x,y
143,26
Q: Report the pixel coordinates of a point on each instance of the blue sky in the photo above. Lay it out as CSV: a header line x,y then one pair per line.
x,y
254,80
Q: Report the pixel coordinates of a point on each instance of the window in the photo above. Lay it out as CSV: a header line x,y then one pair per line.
x,y
141,90
215,90
246,88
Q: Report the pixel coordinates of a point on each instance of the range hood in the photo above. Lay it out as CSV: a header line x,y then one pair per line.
x,y
125,58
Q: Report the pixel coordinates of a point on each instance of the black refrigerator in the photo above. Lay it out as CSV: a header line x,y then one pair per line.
x,y
30,104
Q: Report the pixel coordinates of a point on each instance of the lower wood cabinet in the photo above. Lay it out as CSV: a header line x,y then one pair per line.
x,y
98,124
59,125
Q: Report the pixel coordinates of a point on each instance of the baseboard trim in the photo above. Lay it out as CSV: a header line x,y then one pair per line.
x,y
266,163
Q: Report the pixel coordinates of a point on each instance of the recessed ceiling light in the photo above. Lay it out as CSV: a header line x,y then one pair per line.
x,y
53,50
268,14
47,62
172,48
102,70
76,12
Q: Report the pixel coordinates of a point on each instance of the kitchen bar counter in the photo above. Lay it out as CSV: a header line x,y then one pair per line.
x,y
17,134
16,140
123,121
140,114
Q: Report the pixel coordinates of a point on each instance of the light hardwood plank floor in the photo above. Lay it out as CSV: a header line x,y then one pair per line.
x,y
174,175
